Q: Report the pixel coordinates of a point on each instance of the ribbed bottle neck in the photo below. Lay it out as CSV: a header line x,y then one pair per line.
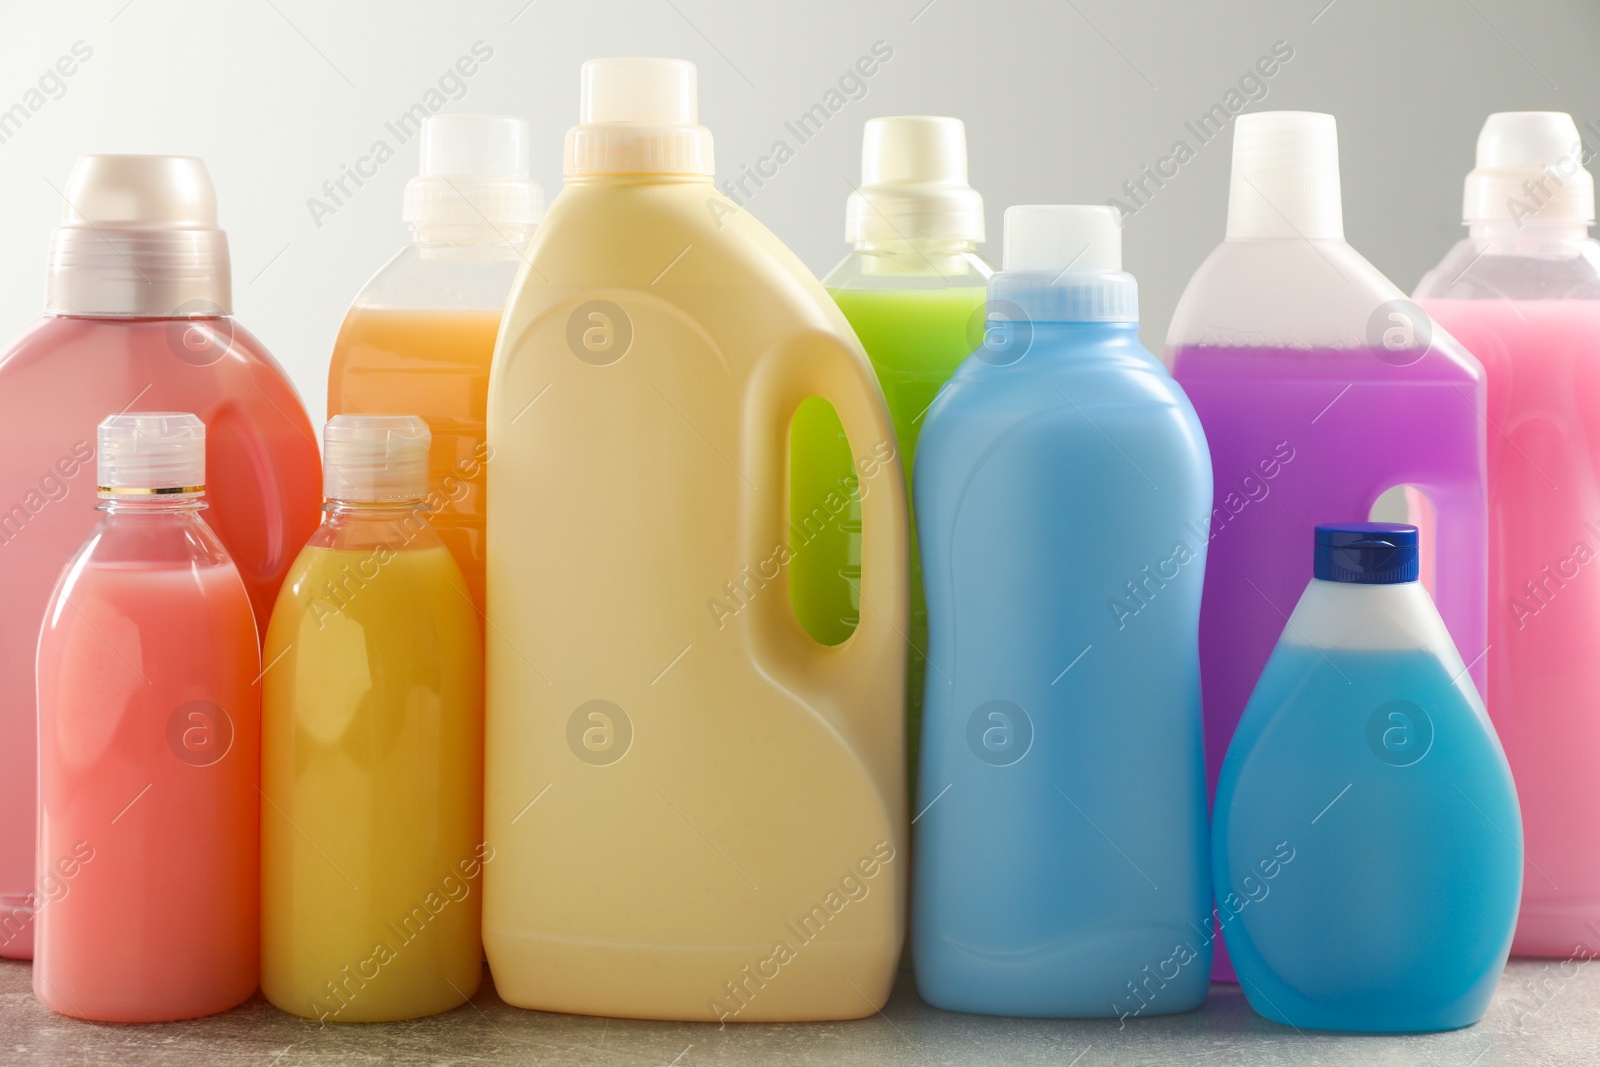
x,y
1065,297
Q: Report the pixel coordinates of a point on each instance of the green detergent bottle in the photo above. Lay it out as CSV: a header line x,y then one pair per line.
x,y
914,289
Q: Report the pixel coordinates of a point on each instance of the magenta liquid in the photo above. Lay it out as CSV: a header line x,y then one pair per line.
x,y
1302,437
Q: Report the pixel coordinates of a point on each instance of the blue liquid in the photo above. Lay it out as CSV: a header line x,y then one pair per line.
x,y
1387,784
1061,856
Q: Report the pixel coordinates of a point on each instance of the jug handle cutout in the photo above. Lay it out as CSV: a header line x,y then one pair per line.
x,y
819,364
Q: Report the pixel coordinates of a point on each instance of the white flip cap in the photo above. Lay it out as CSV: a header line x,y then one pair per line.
x,y
913,183
375,459
1285,176
1529,166
139,237
1063,263
151,453
638,116
474,173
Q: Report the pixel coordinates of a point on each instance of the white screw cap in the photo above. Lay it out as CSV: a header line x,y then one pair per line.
x,y
1285,176
638,115
144,453
914,183
1062,237
474,173
375,459
1063,263
1529,166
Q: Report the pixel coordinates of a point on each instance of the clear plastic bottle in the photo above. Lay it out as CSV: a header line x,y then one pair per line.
x,y
149,749
420,336
1522,292
372,750
914,290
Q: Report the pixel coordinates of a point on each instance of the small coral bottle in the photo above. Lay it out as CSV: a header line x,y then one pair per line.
x,y
372,750
149,728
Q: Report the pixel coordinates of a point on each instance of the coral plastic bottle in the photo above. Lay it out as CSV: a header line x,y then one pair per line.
x,y
1291,345
149,749
372,750
696,810
420,336
137,317
913,288
1522,292
1366,842
1061,851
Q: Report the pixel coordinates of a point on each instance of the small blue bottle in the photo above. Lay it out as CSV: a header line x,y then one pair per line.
x,y
1367,844
1062,491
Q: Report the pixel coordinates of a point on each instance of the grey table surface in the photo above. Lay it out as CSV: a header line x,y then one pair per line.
x,y
1545,1012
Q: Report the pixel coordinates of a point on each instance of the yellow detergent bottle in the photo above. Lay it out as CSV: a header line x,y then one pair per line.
x,y
696,810
372,750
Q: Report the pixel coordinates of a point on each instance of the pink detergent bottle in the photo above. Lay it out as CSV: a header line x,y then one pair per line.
x,y
137,302
1320,389
1522,292
149,749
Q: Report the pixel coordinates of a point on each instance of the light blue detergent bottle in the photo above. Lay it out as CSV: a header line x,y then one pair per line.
x,y
1062,493
1367,841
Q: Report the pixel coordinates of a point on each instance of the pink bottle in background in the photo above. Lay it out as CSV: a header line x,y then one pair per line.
x,y
137,300
1320,388
150,749
1522,292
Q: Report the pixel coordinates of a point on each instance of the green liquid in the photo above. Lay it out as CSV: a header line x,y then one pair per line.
x,y
915,339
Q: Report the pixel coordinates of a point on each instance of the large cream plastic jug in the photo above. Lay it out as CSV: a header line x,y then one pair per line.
x,y
694,810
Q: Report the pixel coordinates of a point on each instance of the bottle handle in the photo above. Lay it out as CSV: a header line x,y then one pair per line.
x,y
823,365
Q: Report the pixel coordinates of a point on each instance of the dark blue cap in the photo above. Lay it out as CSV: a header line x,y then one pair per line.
x,y
1367,553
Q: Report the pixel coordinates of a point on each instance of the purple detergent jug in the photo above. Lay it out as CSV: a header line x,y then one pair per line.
x,y
1321,388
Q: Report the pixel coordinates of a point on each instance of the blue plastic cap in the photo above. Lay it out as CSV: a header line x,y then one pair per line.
x,y
1366,553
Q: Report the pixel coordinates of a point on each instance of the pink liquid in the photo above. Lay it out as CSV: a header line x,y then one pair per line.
x,y
149,823
56,383
1542,361
1335,429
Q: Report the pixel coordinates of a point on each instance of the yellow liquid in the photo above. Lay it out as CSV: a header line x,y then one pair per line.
x,y
698,811
433,363
372,786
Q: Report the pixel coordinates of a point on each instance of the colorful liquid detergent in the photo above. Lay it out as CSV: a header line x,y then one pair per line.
x,y
149,732
1291,347
1523,294
1061,849
1366,834
372,751
136,307
657,721
913,288
420,336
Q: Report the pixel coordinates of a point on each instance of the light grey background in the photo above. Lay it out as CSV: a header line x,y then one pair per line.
x,y
1064,100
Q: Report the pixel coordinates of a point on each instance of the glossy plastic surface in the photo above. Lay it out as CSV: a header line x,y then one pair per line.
x,y
56,383
149,730
658,721
1526,302
1366,838
1061,856
372,774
